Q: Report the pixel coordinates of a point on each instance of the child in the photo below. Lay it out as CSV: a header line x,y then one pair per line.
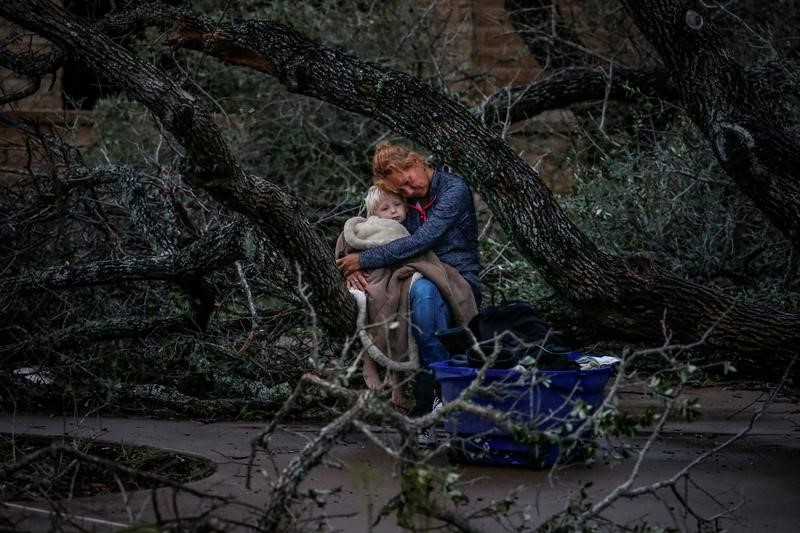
x,y
387,336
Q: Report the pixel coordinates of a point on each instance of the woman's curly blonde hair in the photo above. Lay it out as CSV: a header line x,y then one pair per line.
x,y
389,158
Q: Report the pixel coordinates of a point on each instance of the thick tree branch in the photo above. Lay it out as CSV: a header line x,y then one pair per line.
x,y
162,237
772,83
213,250
119,328
627,296
747,139
575,86
210,163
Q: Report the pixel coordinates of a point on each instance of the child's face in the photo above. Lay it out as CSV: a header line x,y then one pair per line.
x,y
391,206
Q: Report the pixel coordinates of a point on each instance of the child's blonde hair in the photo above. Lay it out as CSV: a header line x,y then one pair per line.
x,y
375,195
391,157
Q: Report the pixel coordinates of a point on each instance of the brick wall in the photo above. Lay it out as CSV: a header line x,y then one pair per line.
x,y
489,54
44,110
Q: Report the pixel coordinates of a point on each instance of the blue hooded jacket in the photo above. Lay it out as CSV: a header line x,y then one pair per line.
x,y
444,222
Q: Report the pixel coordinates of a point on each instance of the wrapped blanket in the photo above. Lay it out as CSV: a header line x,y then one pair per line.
x,y
383,322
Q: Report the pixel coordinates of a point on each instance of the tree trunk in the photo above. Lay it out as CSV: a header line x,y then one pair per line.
x,y
747,139
209,161
628,296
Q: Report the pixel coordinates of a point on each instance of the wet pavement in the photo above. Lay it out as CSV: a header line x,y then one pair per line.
x,y
758,476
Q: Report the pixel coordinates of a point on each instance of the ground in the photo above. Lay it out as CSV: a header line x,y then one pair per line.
x,y
65,478
759,475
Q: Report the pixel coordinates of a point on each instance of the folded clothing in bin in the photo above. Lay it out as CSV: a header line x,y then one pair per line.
x,y
541,400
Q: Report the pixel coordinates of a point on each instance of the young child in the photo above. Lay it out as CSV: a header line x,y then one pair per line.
x,y
386,332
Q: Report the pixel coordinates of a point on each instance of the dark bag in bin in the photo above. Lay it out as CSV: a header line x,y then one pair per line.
x,y
521,332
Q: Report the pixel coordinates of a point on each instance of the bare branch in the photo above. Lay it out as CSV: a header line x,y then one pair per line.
x,y
210,162
575,86
747,138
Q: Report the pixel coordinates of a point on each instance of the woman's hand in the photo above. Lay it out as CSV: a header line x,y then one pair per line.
x,y
348,264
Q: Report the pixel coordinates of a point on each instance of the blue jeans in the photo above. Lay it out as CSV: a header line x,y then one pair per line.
x,y
429,313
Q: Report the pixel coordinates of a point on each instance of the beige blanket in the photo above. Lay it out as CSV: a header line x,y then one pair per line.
x,y
384,325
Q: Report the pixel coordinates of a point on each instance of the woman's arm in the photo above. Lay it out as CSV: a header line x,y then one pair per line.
x,y
451,204
354,278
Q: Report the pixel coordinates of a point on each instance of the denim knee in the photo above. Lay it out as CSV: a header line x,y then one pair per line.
x,y
429,313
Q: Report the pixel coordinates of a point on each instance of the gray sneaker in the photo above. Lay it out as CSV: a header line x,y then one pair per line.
x,y
427,438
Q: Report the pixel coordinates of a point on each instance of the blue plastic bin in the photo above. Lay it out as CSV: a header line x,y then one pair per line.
x,y
542,400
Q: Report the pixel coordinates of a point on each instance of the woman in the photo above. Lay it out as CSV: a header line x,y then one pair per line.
x,y
442,219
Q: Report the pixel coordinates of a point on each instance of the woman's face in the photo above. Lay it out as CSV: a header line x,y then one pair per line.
x,y
412,182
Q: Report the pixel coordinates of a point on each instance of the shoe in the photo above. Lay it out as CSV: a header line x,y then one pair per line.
x,y
437,404
427,438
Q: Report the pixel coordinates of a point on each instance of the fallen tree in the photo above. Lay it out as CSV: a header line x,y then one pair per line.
x,y
631,298
748,139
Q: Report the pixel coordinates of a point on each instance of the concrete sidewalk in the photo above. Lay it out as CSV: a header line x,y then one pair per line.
x,y
760,475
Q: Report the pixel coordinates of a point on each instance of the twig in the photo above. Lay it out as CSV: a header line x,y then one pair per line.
x,y
625,492
54,449
606,97
278,511
250,305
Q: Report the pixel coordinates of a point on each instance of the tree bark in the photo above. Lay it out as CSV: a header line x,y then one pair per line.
x,y
209,162
627,296
762,157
